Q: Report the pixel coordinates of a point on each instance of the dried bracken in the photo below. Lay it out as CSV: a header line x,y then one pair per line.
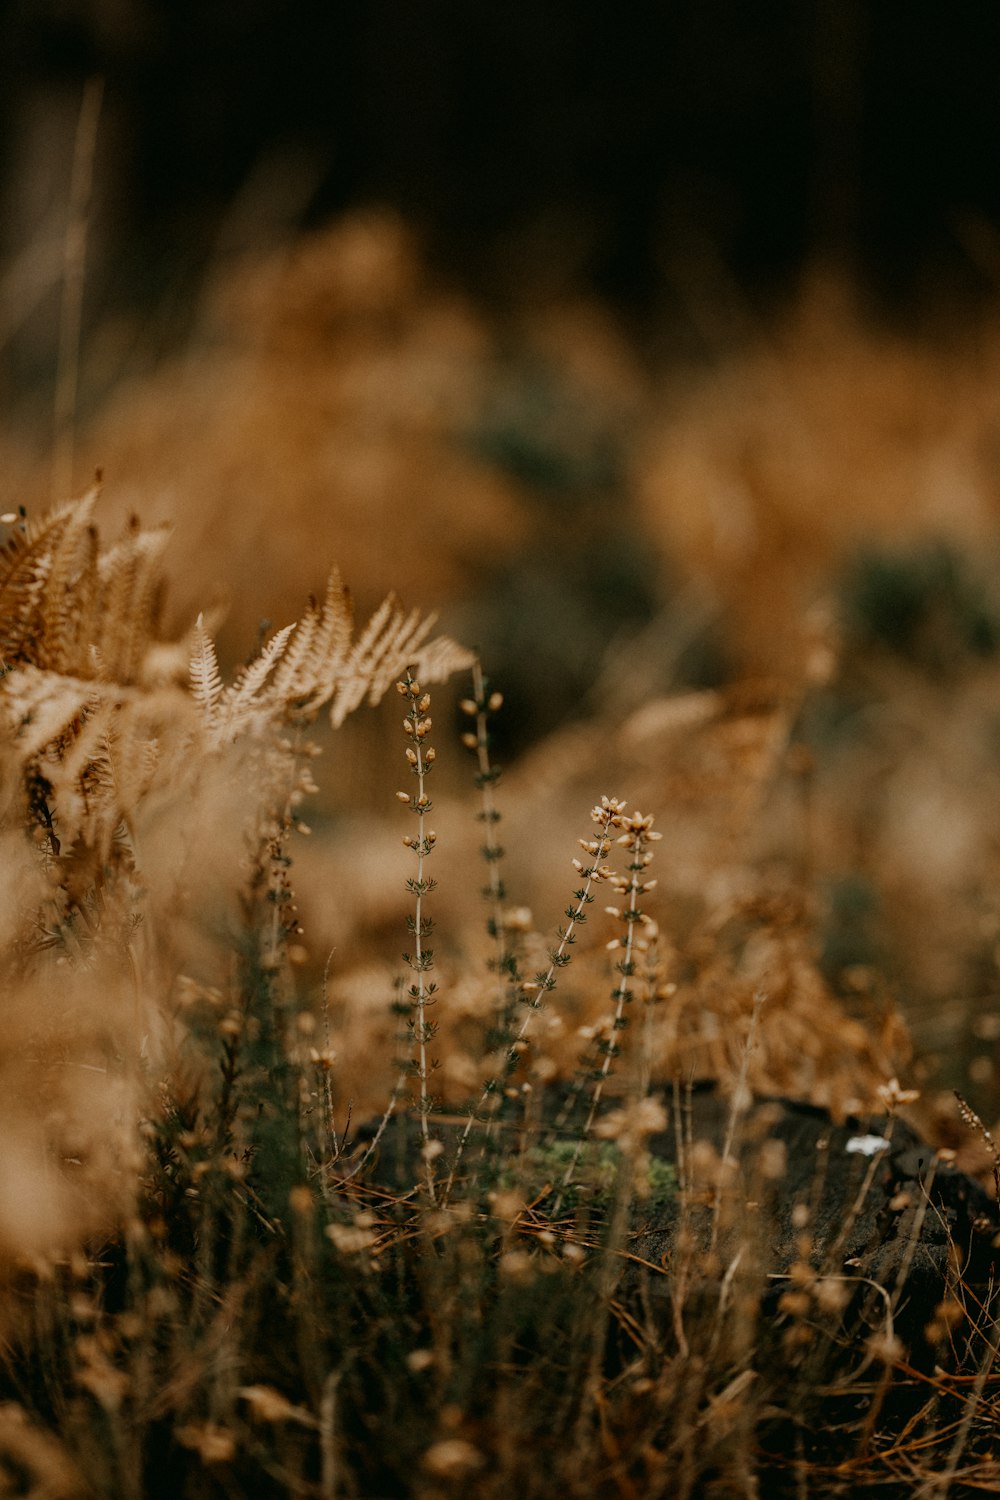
x,y
93,694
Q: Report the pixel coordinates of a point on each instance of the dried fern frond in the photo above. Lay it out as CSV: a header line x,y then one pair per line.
x,y
309,669
94,743
69,595
391,641
91,692
205,677
38,567
78,627
42,706
62,599
246,701
311,665
440,658
130,588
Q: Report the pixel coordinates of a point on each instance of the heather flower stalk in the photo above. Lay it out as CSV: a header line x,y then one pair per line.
x,y
504,962
479,707
637,834
608,815
421,991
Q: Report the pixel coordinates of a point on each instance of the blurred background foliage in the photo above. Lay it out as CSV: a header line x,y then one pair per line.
x,y
658,349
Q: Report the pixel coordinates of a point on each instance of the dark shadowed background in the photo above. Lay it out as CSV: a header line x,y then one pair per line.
x,y
535,145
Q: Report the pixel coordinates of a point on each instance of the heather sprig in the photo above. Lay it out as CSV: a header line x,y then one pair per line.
x,y
637,834
608,815
422,991
504,962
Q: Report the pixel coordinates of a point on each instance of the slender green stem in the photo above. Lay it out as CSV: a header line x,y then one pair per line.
x,y
623,992
417,726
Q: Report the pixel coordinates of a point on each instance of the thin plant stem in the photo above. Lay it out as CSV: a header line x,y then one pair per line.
x,y
327,1061
417,726
638,832
489,815
74,265
939,1487
737,1110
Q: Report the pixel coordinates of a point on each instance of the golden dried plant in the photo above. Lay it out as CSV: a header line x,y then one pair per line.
x,y
100,707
